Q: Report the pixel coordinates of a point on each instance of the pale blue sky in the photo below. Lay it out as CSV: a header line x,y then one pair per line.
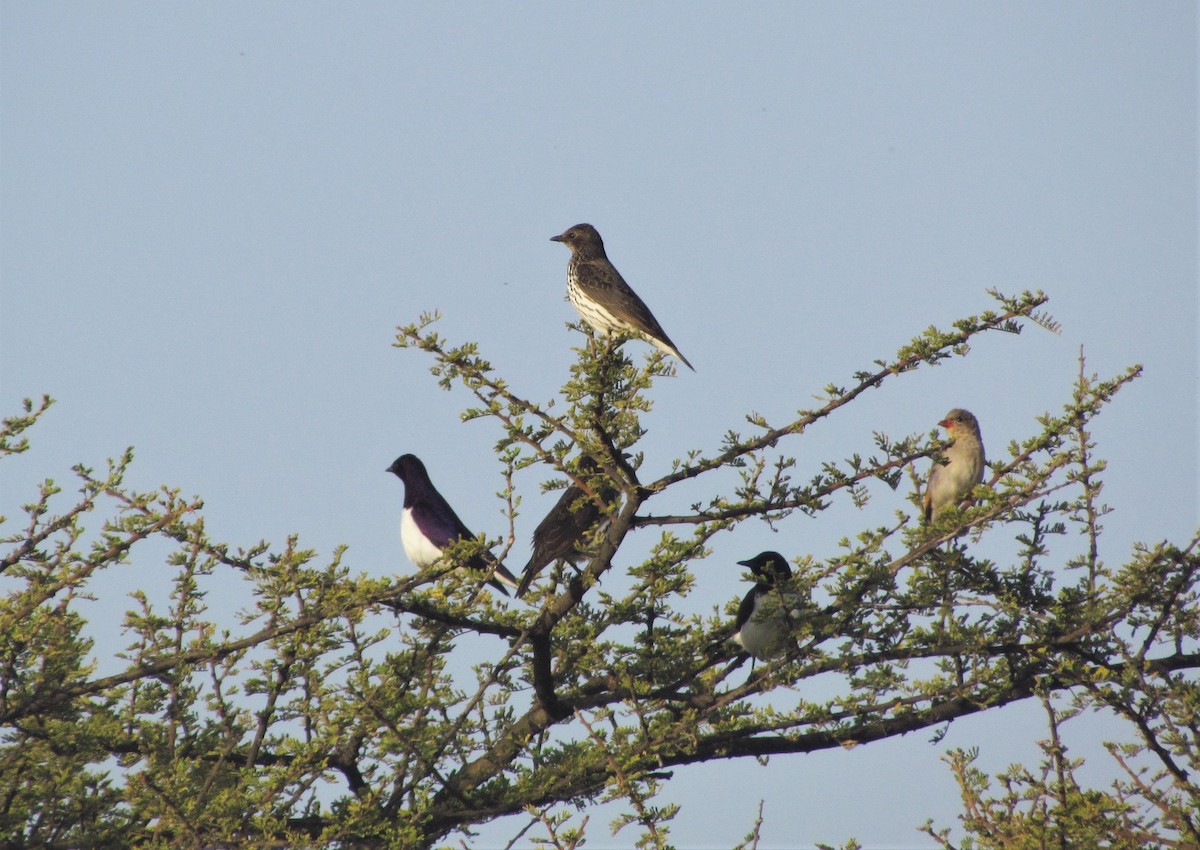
x,y
214,215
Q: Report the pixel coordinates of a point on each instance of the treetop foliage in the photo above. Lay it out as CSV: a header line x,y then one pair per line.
x,y
339,706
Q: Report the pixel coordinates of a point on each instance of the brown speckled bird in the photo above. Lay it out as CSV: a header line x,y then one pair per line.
x,y
560,536
601,295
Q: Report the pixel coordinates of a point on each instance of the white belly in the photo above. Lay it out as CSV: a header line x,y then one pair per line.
x,y
950,484
766,633
418,548
602,321
762,639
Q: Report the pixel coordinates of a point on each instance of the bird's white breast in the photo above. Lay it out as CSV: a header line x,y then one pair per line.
x,y
603,322
950,483
765,634
416,545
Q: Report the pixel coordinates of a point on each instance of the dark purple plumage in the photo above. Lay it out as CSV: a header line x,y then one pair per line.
x,y
428,524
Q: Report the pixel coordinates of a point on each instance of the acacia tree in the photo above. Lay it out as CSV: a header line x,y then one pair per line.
x,y
1154,805
334,712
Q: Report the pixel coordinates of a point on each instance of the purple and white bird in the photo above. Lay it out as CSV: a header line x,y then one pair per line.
x,y
768,612
428,524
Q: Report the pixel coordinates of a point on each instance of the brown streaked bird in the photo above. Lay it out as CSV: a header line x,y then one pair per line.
x,y
560,536
603,298
950,483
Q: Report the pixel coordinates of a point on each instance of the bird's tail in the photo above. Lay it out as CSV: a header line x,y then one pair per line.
x,y
501,577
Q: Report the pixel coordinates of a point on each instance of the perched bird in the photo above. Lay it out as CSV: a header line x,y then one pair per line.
x,y
764,618
560,536
428,524
602,296
949,483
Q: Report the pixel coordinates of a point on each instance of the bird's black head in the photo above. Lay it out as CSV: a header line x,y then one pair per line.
x,y
581,238
769,568
406,466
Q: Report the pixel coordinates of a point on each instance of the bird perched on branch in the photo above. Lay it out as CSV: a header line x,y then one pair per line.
x,y
768,612
949,483
601,295
561,535
428,524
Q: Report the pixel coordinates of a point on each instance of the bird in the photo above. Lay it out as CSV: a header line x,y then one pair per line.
x,y
950,482
765,616
603,298
428,524
561,535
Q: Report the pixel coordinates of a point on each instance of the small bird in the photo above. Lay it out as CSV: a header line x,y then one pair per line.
x,y
559,537
949,483
765,616
601,295
428,524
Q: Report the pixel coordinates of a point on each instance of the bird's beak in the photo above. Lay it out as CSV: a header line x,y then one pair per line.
x,y
557,238
744,564
946,423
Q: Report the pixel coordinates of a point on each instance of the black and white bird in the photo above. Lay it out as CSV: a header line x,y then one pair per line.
x,y
602,297
561,535
428,524
768,612
951,482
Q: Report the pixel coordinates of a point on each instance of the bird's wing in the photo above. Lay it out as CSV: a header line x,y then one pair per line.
x,y
746,609
556,536
572,515
485,562
501,575
607,288
527,578
440,525
931,486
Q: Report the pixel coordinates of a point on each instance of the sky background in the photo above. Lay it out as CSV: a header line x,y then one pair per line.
x,y
215,215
